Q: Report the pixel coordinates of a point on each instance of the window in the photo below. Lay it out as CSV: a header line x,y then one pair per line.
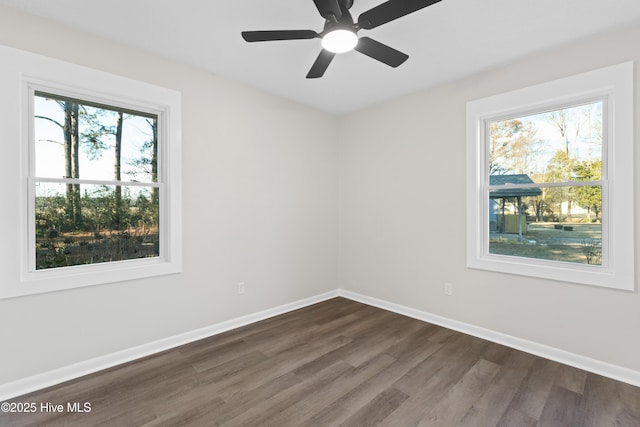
x,y
95,183
99,167
545,184
550,184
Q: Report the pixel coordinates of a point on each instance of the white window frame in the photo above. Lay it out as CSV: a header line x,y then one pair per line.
x,y
615,85
25,73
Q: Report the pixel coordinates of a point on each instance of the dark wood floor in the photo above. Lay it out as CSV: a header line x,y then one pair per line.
x,y
340,363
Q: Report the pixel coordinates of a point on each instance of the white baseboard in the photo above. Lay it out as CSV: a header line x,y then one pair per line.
x,y
581,362
57,376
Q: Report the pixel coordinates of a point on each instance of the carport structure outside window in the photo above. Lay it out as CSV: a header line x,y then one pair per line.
x,y
545,175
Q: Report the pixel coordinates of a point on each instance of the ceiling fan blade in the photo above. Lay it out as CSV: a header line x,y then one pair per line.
x,y
328,8
390,10
264,36
320,65
381,52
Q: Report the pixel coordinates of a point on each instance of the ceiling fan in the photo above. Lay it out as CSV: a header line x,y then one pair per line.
x,y
339,33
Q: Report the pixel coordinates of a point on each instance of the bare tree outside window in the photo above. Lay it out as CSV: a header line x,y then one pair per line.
x,y
96,183
545,173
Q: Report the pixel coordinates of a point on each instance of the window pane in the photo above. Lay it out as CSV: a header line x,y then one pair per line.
x,y
78,140
556,146
90,224
558,223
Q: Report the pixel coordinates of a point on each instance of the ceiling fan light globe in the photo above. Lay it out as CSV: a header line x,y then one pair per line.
x,y
339,41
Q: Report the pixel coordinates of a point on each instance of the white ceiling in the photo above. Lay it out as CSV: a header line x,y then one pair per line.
x,y
447,41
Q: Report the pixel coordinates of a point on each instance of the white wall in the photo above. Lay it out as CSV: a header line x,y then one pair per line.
x,y
260,206
403,215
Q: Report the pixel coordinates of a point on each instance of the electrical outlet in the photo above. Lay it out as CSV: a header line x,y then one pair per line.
x,y
448,289
241,288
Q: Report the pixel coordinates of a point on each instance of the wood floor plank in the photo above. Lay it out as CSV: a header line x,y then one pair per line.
x,y
432,379
571,378
339,362
378,409
533,392
231,368
277,340
227,409
341,409
630,402
609,402
515,418
209,358
561,409
442,335
270,368
382,339
280,402
307,406
462,348
360,348
459,399
490,407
